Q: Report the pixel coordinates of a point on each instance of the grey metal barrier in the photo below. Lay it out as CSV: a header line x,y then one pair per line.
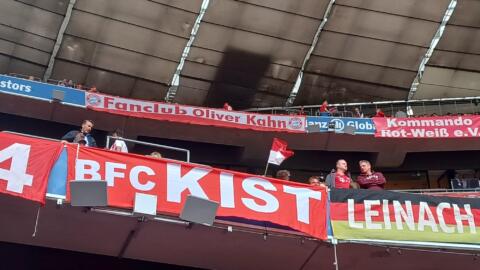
x,y
186,151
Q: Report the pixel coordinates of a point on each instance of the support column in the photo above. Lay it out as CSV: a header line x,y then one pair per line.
x,y
58,42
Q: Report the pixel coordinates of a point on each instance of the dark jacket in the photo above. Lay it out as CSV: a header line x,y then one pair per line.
x,y
374,181
70,136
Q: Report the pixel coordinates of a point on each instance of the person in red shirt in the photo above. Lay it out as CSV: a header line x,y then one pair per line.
x,y
340,178
379,113
368,179
324,109
227,107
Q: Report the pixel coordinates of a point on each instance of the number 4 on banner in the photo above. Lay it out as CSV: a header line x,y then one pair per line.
x,y
16,176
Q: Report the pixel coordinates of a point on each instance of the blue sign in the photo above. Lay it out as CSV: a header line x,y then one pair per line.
x,y
338,124
40,90
57,181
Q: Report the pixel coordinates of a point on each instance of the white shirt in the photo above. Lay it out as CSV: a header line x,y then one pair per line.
x,y
119,146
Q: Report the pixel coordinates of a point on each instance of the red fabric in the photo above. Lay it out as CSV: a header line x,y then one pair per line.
x,y
279,145
466,126
194,115
342,181
25,165
227,107
380,114
324,108
375,180
233,190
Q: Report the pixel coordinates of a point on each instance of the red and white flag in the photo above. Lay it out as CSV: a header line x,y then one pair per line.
x,y
279,152
25,165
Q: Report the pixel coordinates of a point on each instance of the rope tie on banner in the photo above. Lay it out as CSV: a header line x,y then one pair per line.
x,y
36,222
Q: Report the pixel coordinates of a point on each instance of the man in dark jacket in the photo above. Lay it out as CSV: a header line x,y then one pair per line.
x,y
81,136
368,179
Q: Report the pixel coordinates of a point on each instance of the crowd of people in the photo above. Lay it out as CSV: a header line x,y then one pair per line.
x,y
326,110
341,178
71,84
323,110
337,178
83,137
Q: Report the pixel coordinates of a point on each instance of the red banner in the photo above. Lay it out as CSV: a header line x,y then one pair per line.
x,y
25,165
194,115
296,205
465,126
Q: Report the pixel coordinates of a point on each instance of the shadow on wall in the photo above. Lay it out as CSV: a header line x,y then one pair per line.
x,y
237,79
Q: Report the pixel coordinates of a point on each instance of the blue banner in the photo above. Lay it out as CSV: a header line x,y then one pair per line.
x,y
338,124
40,90
57,182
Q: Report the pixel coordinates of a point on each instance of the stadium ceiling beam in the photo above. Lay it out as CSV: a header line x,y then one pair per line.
x,y
172,90
298,82
433,44
58,42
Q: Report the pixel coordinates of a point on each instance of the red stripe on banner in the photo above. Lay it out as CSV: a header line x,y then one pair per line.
x,y
465,126
25,165
195,115
339,211
296,205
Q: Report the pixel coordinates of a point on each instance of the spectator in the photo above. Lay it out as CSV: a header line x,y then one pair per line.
x,y
379,113
357,113
70,84
324,109
93,89
227,107
333,110
80,139
31,78
317,181
155,155
283,175
369,179
79,86
340,178
62,82
118,144
85,130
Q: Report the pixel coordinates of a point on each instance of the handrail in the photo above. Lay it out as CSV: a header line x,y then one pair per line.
x,y
373,103
151,144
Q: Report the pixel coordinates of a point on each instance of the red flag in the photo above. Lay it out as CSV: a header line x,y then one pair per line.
x,y
279,152
247,196
25,165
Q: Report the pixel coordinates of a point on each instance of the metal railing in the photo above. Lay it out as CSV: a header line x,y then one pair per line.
x,y
419,107
186,151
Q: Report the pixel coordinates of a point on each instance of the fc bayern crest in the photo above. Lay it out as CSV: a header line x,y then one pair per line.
x,y
296,123
93,100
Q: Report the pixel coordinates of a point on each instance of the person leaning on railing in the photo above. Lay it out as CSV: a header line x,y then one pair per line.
x,y
76,136
283,175
317,181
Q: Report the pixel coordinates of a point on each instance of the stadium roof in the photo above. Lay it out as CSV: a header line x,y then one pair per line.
x,y
247,52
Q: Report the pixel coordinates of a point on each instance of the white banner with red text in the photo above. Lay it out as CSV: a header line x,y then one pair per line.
x,y
194,115
253,197
25,164
465,126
